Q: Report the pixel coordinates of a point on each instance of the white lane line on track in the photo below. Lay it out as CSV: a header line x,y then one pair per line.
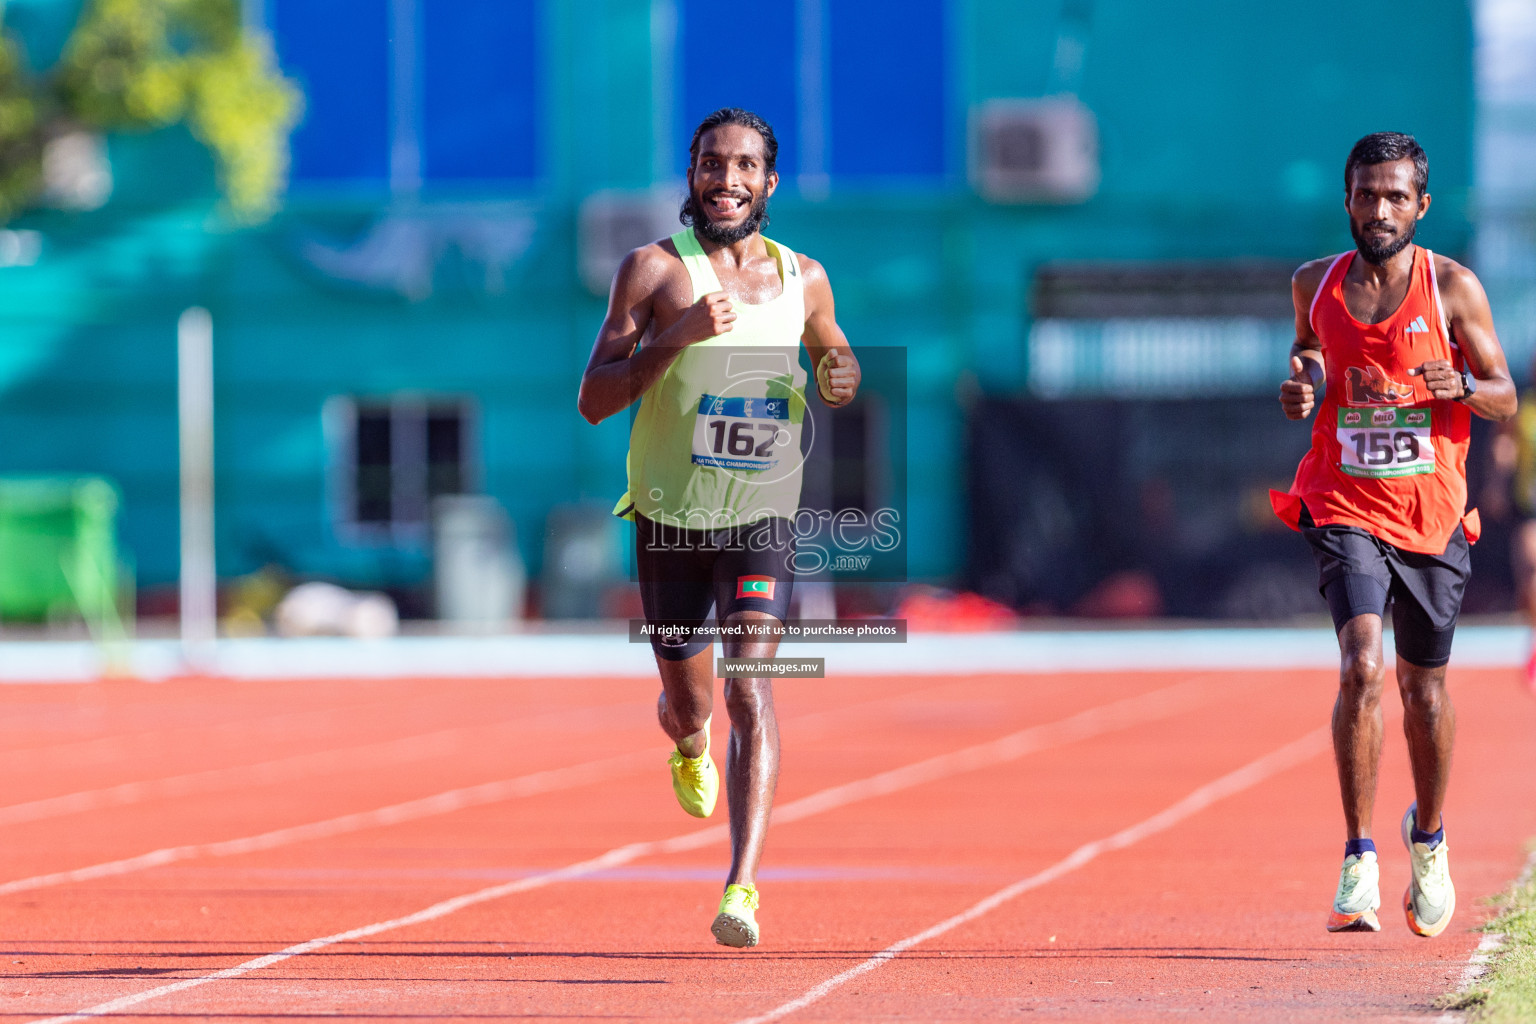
x,y
1146,707
1487,951
442,803
1481,959
1173,698
213,779
462,798
442,741
115,748
1249,775
281,769
1477,965
362,757
533,784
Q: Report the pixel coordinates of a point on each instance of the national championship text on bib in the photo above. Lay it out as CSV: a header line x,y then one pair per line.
x,y
1386,442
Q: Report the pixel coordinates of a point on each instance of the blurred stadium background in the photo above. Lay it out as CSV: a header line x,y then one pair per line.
x,y
1077,217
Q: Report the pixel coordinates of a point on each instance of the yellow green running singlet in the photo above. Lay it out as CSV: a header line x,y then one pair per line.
x,y
716,442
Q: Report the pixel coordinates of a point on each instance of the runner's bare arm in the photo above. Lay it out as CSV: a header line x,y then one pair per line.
x,y
1300,391
1471,323
619,369
837,369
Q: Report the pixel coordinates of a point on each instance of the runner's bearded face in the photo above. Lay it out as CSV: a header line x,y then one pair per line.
x,y
1384,209
729,185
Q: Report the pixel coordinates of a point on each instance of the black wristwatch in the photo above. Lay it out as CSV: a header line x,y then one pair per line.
x,y
1468,386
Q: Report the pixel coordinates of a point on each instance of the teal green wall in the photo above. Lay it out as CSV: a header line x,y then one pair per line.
x,y
1224,128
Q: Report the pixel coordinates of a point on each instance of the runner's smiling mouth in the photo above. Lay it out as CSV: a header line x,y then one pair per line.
x,y
727,202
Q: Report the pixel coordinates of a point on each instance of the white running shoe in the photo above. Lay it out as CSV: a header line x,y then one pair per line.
x,y
1430,899
1359,895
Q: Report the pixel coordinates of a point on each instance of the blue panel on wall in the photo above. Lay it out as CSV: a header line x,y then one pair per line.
x,y
886,77
339,53
480,73
739,57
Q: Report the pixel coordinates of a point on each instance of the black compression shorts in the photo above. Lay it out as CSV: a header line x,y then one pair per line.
x,y
1358,572
684,573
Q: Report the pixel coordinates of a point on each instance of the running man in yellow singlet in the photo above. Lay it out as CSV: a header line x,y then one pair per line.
x,y
704,329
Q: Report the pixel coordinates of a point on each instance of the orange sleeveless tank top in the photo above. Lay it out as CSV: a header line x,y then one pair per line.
x,y
1385,456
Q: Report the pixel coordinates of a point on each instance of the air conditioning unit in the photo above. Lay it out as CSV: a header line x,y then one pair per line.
x,y
1034,151
613,222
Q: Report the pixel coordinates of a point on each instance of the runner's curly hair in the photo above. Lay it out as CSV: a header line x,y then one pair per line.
x,y
744,118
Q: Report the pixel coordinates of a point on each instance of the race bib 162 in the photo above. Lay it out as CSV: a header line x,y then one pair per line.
x,y
741,433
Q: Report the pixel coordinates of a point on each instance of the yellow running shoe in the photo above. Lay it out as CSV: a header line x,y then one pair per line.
x,y
695,780
736,923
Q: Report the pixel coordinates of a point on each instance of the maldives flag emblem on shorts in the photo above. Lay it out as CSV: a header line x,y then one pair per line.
x,y
755,586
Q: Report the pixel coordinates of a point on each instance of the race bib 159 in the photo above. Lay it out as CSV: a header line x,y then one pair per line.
x,y
1385,442
741,433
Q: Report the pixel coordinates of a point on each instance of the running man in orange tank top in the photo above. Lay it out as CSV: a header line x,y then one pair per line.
x,y
1395,349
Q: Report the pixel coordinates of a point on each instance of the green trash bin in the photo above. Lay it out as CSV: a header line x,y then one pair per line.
x,y
58,549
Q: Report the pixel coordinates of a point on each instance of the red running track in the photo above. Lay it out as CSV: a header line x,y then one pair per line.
x,y
154,836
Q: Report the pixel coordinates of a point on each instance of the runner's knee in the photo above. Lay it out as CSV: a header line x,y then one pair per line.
x,y
1361,675
1426,706
749,702
1423,693
687,715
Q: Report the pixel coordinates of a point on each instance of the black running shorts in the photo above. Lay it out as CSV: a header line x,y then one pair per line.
x,y
1358,573
685,573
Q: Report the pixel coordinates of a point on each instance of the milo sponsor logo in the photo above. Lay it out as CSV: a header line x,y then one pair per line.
x,y
1415,419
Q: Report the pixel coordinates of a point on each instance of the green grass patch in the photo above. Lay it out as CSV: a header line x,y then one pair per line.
x,y
1507,993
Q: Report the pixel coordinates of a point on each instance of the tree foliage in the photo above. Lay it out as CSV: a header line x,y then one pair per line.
x,y
20,141
141,65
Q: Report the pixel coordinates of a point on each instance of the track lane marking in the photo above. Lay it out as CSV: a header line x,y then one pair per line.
x,y
1161,703
1249,775
446,802
112,747
547,781
391,751
266,772
1481,960
463,798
